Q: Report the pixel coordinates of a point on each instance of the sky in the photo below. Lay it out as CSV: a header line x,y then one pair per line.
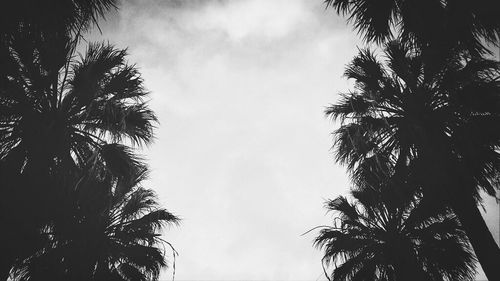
x,y
243,149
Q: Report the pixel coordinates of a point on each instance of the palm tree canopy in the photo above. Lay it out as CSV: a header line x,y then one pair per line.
x,y
102,235
379,237
403,107
425,22
62,109
60,114
437,119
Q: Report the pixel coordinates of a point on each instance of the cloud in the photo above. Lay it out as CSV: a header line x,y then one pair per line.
x,y
242,153
243,149
256,19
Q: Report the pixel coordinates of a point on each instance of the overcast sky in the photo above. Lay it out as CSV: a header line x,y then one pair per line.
x,y
242,153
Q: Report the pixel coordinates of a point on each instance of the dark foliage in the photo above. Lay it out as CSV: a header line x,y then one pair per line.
x,y
441,24
61,114
49,16
382,237
436,119
102,235
60,110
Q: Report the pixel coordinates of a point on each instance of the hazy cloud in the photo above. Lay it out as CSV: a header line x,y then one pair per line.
x,y
243,150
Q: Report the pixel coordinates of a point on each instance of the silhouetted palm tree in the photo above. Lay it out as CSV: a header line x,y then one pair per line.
x,y
102,235
379,237
55,107
58,111
440,122
441,24
58,115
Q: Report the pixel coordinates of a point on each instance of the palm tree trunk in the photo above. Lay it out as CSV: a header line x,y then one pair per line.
x,y
444,182
485,247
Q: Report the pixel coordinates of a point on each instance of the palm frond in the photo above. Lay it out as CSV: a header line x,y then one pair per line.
x,y
389,238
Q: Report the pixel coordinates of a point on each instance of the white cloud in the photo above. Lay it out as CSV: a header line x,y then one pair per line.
x,y
261,19
242,152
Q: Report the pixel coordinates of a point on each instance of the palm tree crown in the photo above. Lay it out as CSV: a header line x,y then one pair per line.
x,y
60,110
379,238
102,235
404,108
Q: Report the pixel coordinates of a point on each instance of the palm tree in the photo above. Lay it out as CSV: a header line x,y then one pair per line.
x,y
58,111
55,107
58,115
440,122
102,235
435,23
379,238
